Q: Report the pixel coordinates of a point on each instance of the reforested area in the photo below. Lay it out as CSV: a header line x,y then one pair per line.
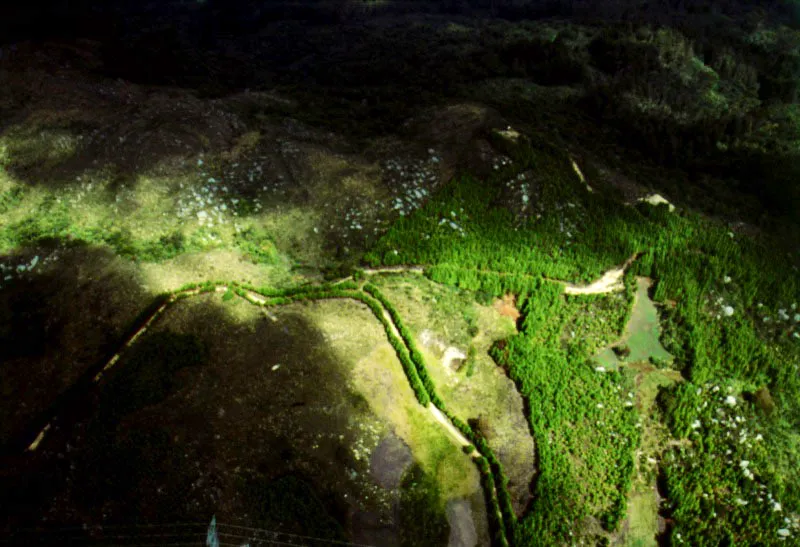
x,y
730,320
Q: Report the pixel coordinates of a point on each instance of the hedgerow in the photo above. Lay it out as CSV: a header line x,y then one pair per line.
x,y
408,339
348,290
496,492
494,484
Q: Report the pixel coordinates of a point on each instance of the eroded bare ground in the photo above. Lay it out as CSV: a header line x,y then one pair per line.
x,y
262,421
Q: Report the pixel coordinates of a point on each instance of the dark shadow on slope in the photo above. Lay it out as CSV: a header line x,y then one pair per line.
x,y
56,323
666,524
202,414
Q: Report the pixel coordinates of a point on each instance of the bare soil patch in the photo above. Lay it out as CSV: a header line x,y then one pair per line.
x,y
507,306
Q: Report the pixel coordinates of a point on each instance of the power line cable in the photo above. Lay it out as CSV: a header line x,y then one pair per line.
x,y
331,541
189,528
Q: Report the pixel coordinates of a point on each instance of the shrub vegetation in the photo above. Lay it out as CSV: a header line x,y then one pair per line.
x,y
719,290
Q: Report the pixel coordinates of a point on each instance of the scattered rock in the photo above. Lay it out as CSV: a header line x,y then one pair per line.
x,y
389,461
462,526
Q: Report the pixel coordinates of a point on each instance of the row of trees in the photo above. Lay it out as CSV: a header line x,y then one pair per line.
x,y
408,340
494,480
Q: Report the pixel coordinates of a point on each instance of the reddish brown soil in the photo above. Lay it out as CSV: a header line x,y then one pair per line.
x,y
507,306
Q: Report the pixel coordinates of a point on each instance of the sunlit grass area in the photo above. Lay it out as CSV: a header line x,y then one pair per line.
x,y
454,335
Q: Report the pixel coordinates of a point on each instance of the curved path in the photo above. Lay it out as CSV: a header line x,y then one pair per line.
x,y
453,432
257,299
609,282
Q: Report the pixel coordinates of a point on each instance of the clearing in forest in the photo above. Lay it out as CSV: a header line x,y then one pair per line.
x,y
637,354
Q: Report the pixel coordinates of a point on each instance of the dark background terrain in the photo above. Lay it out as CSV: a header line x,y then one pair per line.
x,y
362,67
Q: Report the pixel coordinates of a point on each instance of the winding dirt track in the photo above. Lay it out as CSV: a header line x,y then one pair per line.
x,y
258,300
610,281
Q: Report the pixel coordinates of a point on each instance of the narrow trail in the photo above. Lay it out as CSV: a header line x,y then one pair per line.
x,y
395,269
259,300
452,432
420,270
148,322
611,281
